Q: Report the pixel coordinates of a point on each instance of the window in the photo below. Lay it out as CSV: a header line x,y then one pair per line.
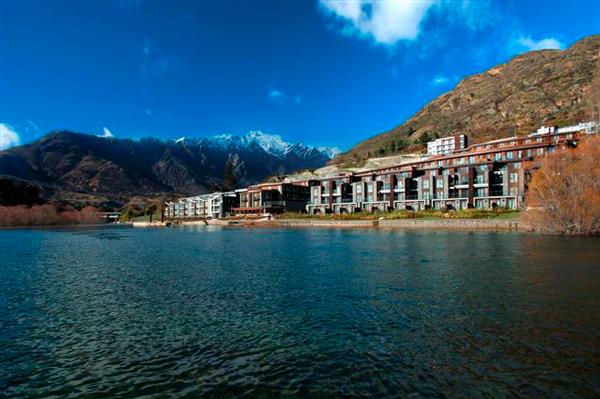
x,y
514,177
498,156
426,184
369,188
509,155
439,183
517,165
520,154
358,188
540,151
471,159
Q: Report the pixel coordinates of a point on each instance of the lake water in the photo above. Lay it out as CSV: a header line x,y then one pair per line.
x,y
211,312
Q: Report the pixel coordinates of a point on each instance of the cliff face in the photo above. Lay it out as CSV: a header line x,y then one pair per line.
x,y
81,169
547,86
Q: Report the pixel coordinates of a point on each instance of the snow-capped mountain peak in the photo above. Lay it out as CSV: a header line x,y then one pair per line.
x,y
271,143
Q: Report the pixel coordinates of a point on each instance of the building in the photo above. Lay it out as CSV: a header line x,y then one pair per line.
x,y
584,127
333,194
273,198
447,145
206,206
487,175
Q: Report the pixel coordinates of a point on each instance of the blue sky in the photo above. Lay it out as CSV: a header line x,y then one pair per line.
x,y
322,72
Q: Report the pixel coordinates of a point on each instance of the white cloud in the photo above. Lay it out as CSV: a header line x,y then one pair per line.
x,y
107,134
385,22
277,95
8,137
280,97
439,80
528,44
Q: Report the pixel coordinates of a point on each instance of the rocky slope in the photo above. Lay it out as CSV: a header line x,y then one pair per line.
x,y
547,86
82,169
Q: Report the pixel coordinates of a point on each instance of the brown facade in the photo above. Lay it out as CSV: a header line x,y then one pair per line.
x,y
487,175
273,198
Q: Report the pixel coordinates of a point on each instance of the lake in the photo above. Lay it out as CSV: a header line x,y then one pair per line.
x,y
229,312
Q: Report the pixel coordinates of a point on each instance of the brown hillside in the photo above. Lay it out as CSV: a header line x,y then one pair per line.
x,y
538,87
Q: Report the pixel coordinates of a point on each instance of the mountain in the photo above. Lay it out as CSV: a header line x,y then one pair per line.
x,y
108,172
535,88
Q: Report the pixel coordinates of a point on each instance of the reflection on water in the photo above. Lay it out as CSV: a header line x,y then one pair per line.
x,y
307,313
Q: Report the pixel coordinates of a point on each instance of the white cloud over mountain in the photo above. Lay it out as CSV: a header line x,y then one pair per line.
x,y
107,134
439,80
8,137
529,44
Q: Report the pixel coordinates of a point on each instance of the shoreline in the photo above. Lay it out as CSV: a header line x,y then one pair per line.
x,y
425,224
429,224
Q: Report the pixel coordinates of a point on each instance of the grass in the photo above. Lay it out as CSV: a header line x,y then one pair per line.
x,y
503,214
145,218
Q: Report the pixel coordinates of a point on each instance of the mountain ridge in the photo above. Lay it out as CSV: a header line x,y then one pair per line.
x,y
513,98
83,169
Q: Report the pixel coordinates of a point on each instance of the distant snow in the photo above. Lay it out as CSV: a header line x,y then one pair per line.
x,y
270,143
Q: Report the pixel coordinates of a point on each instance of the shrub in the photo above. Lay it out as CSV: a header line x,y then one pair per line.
x,y
564,194
47,214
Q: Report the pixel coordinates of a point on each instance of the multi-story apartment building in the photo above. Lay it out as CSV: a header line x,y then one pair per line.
x,y
447,145
273,198
333,194
486,175
206,206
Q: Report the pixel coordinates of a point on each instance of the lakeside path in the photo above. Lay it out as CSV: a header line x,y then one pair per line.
x,y
428,224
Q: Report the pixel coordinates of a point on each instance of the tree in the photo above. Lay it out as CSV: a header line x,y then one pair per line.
x,y
424,138
564,195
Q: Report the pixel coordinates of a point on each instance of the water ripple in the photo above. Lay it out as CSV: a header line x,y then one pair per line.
x,y
297,313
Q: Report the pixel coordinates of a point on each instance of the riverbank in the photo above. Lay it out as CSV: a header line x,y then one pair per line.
x,y
432,224
429,224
